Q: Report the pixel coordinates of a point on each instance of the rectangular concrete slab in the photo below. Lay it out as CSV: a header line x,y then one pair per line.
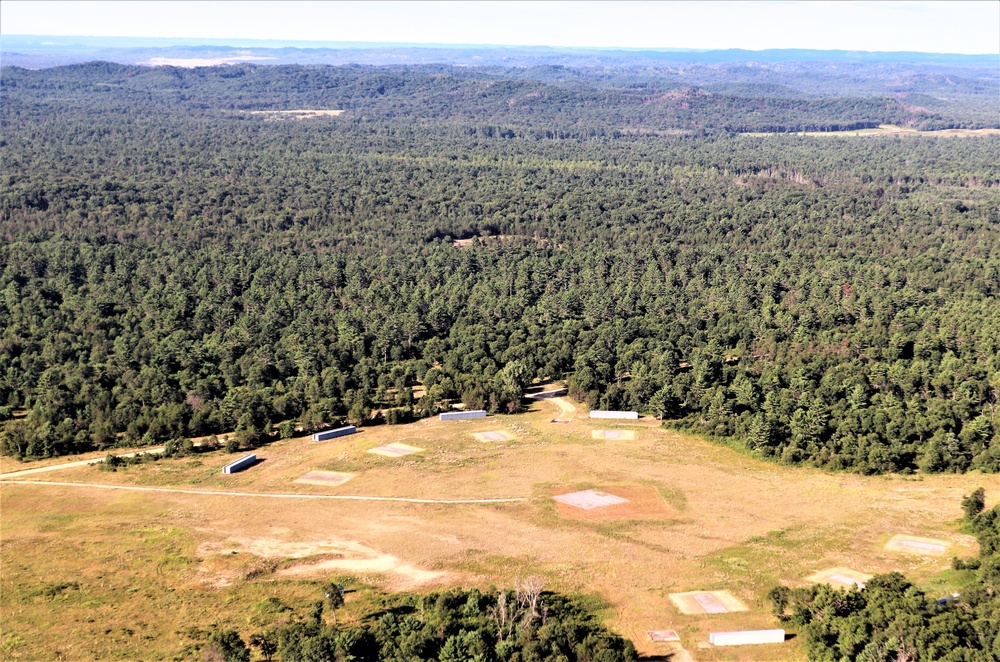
x,y
699,602
709,603
494,435
662,635
324,478
395,450
589,499
839,577
917,545
624,435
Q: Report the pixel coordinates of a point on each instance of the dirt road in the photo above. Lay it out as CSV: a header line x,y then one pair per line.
x,y
266,495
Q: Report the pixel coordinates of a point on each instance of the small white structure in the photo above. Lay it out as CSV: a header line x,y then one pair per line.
x,y
743,637
244,462
330,434
458,415
632,415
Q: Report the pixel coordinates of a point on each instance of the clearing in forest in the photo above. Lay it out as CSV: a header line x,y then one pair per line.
x,y
697,515
298,114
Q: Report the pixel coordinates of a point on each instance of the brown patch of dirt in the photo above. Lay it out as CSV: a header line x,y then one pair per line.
x,y
644,502
316,557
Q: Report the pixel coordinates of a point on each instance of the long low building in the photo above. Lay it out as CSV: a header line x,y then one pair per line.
x,y
330,434
743,637
458,415
632,415
244,462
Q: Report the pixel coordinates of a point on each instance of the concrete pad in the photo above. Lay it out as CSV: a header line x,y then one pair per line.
x,y
917,545
706,602
662,635
589,499
627,435
325,478
839,577
395,450
494,435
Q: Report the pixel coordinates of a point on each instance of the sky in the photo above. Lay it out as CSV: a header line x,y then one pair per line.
x,y
932,27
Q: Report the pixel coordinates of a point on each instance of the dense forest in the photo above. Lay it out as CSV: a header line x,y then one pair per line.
x,y
521,625
891,619
173,264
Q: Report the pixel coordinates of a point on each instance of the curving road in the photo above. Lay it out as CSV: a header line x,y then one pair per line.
x,y
266,495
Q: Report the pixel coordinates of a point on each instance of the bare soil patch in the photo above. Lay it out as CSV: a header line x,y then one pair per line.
x,y
642,503
323,557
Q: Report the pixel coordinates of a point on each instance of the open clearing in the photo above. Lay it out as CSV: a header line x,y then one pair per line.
x,y
299,114
132,560
892,130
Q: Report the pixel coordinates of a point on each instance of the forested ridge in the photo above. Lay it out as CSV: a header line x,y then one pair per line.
x,y
174,265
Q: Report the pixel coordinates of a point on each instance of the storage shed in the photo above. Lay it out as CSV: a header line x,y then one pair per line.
x,y
632,415
743,637
244,462
458,415
330,434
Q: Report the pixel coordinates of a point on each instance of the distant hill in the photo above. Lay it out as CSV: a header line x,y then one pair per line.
x,y
40,51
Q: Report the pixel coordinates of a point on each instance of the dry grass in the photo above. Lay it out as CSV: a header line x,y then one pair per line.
x,y
728,522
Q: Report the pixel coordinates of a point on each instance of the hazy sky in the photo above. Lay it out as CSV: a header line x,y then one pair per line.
x,y
941,27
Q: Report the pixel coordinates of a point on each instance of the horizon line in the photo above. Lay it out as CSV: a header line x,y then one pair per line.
x,y
176,41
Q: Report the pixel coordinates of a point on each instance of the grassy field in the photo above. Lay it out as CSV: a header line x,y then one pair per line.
x,y
92,573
